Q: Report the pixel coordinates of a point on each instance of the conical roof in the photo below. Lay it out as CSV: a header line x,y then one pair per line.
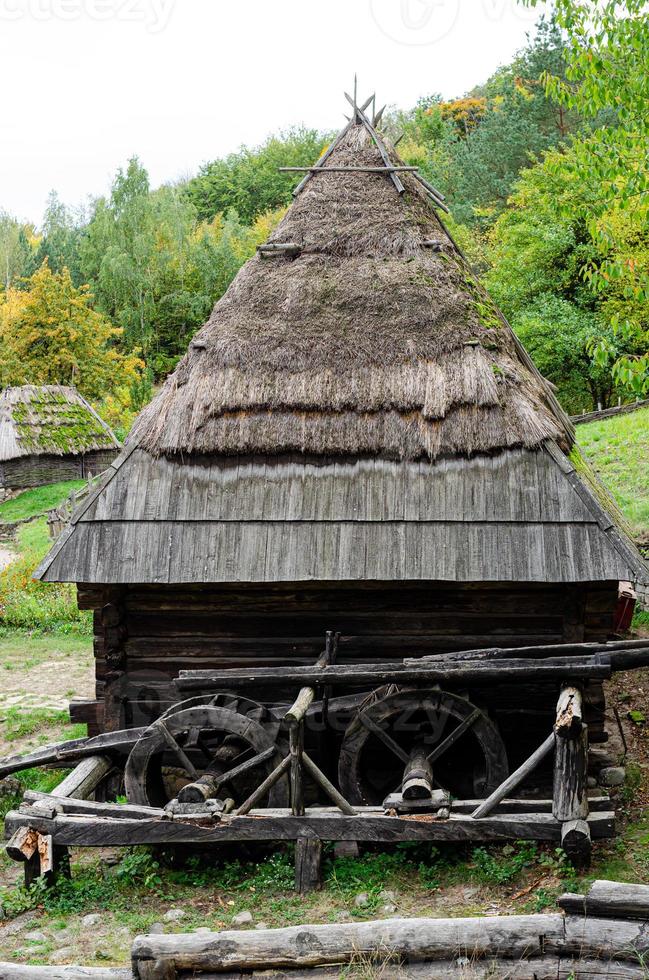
x,y
355,409
375,339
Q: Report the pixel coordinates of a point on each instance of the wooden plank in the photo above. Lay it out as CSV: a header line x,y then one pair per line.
x,y
323,823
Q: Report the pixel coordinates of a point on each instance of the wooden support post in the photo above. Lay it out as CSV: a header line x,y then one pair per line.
x,y
296,744
308,862
569,712
570,787
42,858
576,842
418,776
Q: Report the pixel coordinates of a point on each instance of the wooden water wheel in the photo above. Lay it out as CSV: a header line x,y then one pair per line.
x,y
414,738
222,746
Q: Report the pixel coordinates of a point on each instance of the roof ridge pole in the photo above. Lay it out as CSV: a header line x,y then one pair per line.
x,y
380,146
334,143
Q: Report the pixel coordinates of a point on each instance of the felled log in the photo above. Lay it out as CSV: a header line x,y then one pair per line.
x,y
12,971
606,938
609,899
511,937
545,968
85,777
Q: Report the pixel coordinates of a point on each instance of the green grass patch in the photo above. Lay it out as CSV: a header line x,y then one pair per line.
x,y
618,448
37,501
28,604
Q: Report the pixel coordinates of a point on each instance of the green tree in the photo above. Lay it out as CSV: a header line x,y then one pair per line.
x,y
51,335
538,249
17,247
60,235
608,71
249,181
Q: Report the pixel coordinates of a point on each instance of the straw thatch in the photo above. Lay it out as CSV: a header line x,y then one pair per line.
x,y
367,342
50,420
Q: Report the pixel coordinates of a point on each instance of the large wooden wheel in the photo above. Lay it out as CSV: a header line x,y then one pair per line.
x,y
225,742
461,744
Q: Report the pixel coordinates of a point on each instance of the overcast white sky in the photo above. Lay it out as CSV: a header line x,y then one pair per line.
x,y
88,83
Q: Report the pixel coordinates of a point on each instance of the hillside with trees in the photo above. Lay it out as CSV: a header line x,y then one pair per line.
x,y
544,170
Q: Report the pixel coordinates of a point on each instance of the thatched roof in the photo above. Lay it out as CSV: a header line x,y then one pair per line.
x,y
51,420
356,411
369,342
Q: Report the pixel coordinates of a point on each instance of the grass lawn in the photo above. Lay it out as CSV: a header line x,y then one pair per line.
x,y
618,448
37,501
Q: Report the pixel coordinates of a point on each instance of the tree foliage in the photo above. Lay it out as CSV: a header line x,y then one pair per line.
x,y
607,53
538,249
249,181
50,334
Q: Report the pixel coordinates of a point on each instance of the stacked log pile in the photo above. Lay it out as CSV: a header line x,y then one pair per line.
x,y
601,934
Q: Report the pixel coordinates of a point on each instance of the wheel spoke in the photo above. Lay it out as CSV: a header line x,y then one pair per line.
x,y
245,766
371,725
451,739
177,750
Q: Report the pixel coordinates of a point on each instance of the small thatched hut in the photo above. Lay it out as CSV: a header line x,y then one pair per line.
x,y
48,434
355,441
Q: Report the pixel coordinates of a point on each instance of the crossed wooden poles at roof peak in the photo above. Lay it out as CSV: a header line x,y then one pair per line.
x,y
359,117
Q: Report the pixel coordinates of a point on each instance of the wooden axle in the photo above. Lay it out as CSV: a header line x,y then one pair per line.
x,y
418,776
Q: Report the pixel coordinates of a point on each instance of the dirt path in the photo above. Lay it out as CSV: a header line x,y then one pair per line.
x,y
6,557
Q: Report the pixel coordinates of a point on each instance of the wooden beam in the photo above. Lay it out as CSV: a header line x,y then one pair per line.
x,y
380,147
569,719
554,668
326,823
515,779
348,170
85,778
308,865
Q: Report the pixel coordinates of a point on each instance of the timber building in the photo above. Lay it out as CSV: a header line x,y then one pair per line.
x,y
49,434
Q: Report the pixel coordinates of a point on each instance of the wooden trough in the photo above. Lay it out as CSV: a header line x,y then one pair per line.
x,y
600,934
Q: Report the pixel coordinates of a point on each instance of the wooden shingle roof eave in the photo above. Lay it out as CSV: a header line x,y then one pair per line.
x,y
515,516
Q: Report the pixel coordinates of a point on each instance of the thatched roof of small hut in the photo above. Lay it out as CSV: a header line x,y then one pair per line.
x,y
52,420
371,342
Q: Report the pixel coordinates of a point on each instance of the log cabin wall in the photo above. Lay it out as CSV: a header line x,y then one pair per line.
x,y
144,635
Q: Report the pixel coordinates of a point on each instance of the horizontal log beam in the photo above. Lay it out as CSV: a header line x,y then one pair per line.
x,y
13,971
369,824
609,899
347,170
557,668
317,945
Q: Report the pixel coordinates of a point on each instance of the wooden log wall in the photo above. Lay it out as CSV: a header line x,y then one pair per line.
x,y
38,471
144,635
